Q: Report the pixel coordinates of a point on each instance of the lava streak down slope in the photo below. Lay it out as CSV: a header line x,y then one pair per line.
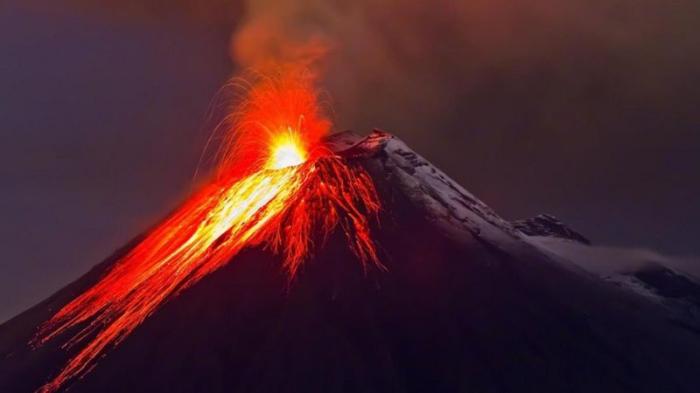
x,y
466,303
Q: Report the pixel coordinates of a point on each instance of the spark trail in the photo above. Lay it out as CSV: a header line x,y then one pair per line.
x,y
275,186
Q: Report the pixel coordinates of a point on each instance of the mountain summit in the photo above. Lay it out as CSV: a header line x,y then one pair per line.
x,y
467,302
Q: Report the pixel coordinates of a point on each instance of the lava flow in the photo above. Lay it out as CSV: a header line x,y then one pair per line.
x,y
275,186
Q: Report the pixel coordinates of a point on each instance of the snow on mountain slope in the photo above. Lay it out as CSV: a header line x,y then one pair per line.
x,y
672,282
453,209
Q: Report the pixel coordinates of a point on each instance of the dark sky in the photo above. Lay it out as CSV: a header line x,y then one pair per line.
x,y
583,109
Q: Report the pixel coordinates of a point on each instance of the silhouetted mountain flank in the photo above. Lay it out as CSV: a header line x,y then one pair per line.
x,y
469,303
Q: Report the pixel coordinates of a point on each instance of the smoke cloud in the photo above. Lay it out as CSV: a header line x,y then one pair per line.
x,y
415,66
286,32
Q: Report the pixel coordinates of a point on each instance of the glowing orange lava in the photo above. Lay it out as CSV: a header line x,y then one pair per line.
x,y
276,186
286,150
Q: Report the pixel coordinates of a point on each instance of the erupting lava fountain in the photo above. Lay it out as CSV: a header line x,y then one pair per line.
x,y
276,184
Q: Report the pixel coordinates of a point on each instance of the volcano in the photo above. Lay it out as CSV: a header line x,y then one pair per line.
x,y
462,301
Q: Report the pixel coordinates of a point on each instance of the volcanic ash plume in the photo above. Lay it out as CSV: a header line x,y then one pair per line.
x,y
275,186
282,32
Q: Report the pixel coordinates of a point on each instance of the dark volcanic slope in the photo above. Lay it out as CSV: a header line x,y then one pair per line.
x,y
467,304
